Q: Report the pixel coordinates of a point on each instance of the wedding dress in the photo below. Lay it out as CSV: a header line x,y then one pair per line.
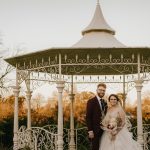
x,y
123,139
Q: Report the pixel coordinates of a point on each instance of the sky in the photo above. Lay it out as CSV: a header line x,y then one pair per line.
x,y
32,25
38,24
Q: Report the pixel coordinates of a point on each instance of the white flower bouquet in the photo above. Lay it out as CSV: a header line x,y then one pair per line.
x,y
111,125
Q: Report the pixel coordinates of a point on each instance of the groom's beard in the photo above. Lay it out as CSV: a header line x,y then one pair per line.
x,y
100,95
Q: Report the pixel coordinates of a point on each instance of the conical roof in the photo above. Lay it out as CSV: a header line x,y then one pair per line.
x,y
98,33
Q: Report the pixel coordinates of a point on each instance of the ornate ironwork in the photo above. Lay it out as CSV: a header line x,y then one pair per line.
x,y
31,65
146,135
66,133
121,65
21,76
77,63
36,139
45,137
81,137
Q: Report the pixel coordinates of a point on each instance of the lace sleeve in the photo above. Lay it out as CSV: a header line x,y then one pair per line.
x,y
105,122
122,117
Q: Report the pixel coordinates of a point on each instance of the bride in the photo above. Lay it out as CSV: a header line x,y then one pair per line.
x,y
116,135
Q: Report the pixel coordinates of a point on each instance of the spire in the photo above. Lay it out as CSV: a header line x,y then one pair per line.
x,y
98,33
97,2
98,23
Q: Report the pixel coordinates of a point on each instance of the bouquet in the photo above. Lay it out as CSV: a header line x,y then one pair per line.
x,y
112,125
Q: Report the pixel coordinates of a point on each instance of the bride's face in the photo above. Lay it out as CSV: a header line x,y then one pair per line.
x,y
113,101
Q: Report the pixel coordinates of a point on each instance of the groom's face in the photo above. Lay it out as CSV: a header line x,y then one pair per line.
x,y
101,91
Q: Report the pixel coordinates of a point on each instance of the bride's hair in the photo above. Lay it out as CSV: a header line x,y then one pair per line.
x,y
114,95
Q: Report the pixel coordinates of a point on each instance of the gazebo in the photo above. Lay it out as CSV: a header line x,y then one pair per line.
x,y
98,53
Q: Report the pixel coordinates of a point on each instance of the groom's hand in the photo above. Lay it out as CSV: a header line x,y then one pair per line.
x,y
91,134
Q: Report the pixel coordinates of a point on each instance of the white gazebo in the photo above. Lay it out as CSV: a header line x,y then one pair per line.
x,y
97,54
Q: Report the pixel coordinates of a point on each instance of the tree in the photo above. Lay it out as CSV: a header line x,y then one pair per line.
x,y
5,69
37,101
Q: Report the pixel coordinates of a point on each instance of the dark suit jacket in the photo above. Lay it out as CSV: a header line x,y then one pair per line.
x,y
94,115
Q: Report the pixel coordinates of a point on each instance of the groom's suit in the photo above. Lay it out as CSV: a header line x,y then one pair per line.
x,y
94,112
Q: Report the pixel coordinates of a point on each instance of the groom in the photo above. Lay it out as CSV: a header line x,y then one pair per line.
x,y
96,110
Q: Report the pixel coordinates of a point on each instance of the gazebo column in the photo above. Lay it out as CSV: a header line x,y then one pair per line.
x,y
60,87
138,86
124,92
72,140
16,90
28,97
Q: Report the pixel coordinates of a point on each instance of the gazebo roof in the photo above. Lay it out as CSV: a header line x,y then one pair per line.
x,y
98,33
98,23
101,61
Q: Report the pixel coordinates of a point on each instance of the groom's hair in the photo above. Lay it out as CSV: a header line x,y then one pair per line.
x,y
101,84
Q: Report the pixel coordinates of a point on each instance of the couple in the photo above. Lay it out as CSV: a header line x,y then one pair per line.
x,y
107,125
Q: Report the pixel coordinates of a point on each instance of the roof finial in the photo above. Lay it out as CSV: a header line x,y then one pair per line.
x,y
97,2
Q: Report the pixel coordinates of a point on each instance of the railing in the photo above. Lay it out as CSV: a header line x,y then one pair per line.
x,y
66,134
146,135
81,137
45,138
36,138
82,141
147,140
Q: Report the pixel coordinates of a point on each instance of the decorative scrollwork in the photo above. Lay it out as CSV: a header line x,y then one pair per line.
x,y
123,68
93,61
36,139
46,137
116,61
105,61
146,135
74,69
99,67
21,76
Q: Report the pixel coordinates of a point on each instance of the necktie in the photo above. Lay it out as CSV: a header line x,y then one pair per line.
x,y
100,103
102,108
101,100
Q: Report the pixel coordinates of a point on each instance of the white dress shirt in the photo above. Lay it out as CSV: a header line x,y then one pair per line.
x,y
100,103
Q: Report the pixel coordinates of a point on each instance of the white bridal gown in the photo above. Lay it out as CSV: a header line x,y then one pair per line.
x,y
123,140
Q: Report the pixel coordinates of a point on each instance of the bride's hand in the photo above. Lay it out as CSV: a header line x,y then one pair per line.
x,y
91,134
109,130
113,137
114,133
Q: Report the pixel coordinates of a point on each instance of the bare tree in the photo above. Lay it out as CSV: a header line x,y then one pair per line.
x,y
5,69
37,101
